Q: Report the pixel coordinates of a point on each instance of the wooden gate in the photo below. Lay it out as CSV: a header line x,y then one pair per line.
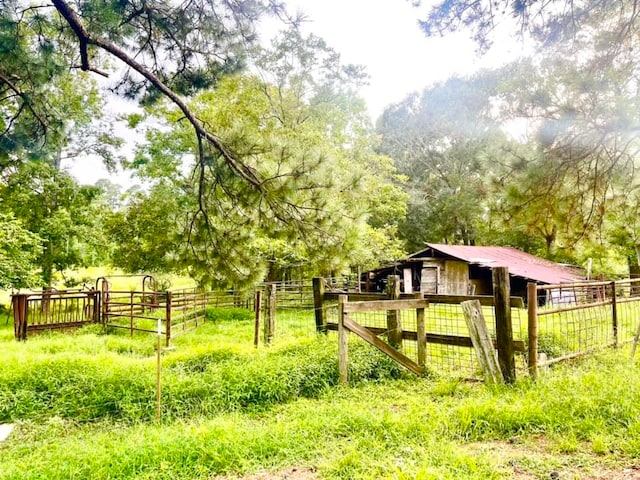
x,y
394,348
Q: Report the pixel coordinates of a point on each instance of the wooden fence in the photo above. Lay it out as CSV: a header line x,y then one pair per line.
x,y
449,346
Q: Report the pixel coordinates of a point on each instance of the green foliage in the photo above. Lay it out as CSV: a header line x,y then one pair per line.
x,y
112,377
18,254
63,215
446,141
235,414
323,188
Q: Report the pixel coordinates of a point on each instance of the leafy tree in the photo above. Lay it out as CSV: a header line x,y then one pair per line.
x,y
550,22
146,232
446,142
166,50
308,137
18,254
49,203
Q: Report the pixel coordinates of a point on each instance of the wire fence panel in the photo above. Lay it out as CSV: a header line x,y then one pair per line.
x,y
575,319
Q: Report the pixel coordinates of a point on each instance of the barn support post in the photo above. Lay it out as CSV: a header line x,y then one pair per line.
x,y
532,315
394,326
318,300
504,330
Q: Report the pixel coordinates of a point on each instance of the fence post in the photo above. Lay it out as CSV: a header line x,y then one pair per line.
x,y
95,296
421,332
131,313
614,313
104,301
168,319
394,326
504,330
257,307
19,306
532,315
343,343
270,322
318,300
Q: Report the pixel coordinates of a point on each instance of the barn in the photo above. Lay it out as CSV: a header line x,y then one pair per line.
x,y
466,270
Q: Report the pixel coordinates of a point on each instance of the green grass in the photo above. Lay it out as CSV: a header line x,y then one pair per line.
x,y
84,406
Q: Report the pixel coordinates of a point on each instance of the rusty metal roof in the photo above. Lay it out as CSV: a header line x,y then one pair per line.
x,y
519,263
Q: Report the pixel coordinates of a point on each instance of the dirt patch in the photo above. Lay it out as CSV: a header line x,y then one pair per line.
x,y
293,473
535,461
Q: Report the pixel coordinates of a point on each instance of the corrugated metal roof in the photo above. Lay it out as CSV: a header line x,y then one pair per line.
x,y
519,263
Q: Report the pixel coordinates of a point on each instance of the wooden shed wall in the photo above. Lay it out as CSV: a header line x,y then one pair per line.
x,y
455,278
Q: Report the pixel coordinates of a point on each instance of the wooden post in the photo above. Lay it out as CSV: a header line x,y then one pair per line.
x,y
95,298
394,326
532,310
422,335
168,318
270,322
343,343
104,300
504,330
481,341
257,307
614,313
318,300
19,306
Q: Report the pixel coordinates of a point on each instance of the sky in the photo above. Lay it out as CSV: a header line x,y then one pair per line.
x,y
382,35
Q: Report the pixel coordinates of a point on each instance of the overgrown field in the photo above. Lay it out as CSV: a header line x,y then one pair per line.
x,y
84,407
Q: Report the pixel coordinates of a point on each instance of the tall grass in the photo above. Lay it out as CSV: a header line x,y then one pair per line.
x,y
84,405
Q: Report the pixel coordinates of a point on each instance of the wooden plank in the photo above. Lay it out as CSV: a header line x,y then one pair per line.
x,y
482,343
343,342
369,337
355,297
436,338
485,300
382,305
